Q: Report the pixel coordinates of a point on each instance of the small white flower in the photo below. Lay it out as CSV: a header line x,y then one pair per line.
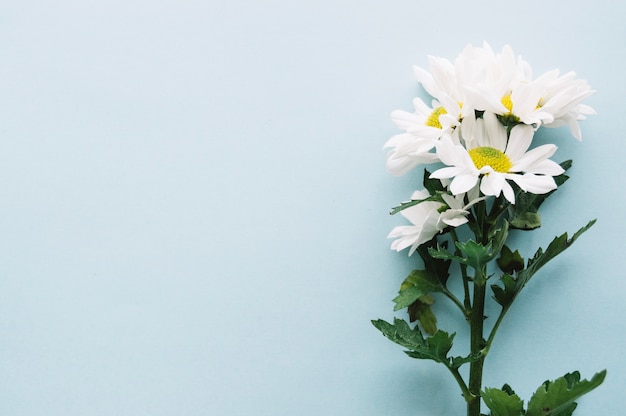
x,y
493,160
550,100
414,147
428,219
424,218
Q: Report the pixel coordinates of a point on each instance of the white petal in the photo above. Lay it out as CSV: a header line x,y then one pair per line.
x,y
492,184
547,167
535,184
446,173
496,132
538,154
403,119
463,183
519,141
508,192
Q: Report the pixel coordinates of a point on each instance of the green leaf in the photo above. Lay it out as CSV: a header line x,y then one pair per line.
x,y
509,261
505,296
476,254
416,285
456,362
421,310
404,205
502,403
441,253
437,267
556,247
526,220
567,410
498,238
556,398
434,348
513,285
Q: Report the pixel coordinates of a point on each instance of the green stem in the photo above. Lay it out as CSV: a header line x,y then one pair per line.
x,y
461,382
495,328
466,299
457,302
477,343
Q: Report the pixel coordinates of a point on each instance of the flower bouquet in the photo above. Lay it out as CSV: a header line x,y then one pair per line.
x,y
488,178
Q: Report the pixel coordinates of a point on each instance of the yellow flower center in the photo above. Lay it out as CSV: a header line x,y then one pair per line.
x,y
488,156
433,118
507,102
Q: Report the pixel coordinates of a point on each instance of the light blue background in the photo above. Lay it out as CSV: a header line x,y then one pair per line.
x,y
193,206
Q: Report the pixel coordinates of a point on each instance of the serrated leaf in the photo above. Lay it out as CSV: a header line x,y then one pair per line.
x,y
509,261
417,284
557,397
476,254
413,202
456,362
512,286
502,403
434,348
567,410
508,390
505,295
407,297
557,246
441,253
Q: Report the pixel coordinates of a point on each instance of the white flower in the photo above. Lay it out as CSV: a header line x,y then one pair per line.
x,y
428,219
457,211
562,98
414,147
493,160
549,100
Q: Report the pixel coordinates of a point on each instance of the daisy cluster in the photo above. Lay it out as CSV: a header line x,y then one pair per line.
x,y
479,128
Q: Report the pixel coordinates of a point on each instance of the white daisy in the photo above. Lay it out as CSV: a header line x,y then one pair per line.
x,y
493,160
414,147
428,219
550,100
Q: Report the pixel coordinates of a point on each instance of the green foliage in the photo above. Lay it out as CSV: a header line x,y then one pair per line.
x,y
490,223
513,285
509,261
476,255
415,295
552,398
434,348
421,310
433,186
556,398
417,284
503,402
413,202
437,267
527,220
